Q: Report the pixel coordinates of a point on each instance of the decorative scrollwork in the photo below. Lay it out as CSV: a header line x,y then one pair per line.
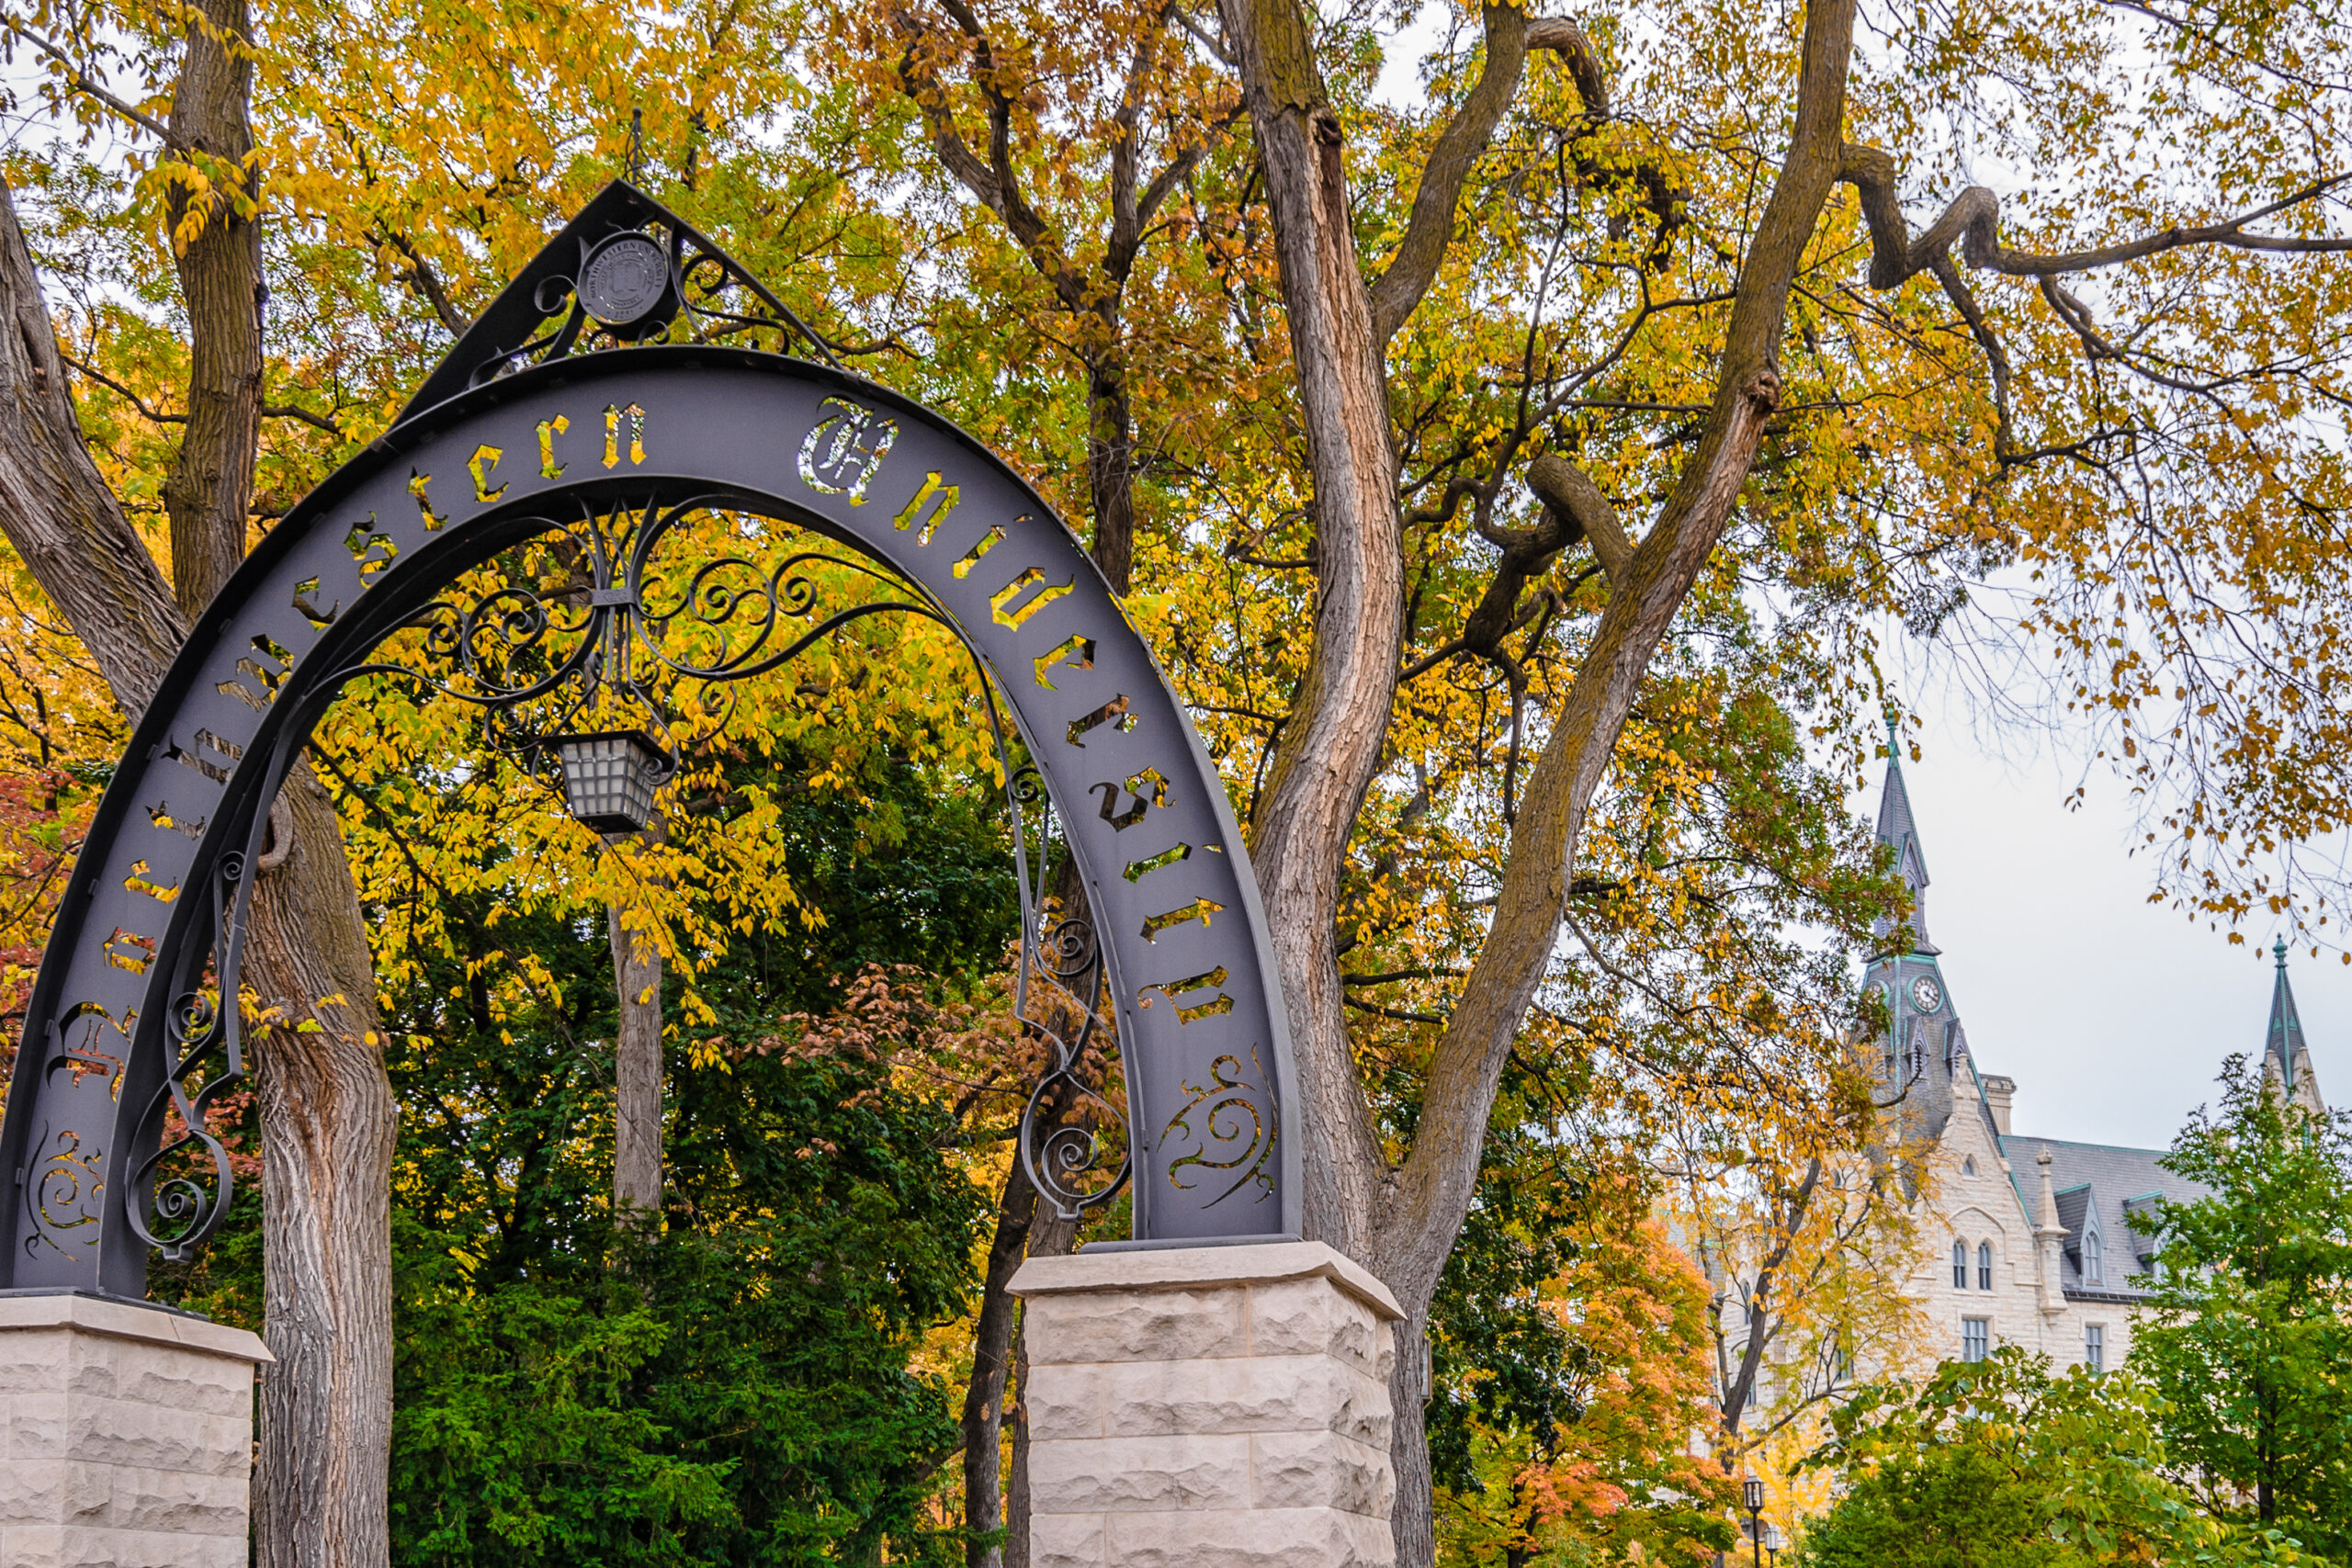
x,y
662,282
621,622
170,1209
1230,1133
1069,1128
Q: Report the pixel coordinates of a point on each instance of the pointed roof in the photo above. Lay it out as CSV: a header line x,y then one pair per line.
x,y
2283,1046
1899,831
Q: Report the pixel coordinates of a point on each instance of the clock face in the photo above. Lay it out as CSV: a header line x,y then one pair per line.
x,y
1925,995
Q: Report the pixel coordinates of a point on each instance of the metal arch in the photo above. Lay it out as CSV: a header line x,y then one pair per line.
x,y
118,1024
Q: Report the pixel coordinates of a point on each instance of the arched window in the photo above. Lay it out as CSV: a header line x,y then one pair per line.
x,y
1960,1265
2094,1258
1984,1265
1968,1165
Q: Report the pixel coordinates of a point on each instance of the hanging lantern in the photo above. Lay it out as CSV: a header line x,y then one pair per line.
x,y
609,778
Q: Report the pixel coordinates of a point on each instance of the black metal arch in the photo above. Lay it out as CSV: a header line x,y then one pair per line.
x,y
119,1029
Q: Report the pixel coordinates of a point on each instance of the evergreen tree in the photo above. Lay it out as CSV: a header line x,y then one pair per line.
x,y
2249,1336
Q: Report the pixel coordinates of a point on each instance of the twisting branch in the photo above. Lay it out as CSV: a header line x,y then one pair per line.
x,y
1974,220
89,86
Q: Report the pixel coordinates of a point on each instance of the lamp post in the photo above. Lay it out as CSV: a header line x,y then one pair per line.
x,y
1753,1496
1772,1543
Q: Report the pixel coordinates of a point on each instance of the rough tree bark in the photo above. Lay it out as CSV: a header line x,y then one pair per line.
x,y
1050,1235
984,1396
637,1076
1403,1220
220,270
637,1063
326,1107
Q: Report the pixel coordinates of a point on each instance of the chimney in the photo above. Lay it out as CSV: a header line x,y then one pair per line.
x,y
1998,1093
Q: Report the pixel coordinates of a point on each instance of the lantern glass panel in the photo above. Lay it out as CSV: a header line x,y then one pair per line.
x,y
609,780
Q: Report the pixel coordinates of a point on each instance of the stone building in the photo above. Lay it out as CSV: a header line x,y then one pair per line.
x,y
2027,1239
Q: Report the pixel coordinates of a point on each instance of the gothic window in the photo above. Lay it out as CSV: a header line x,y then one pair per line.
x,y
2094,1258
2094,1347
1960,1265
1968,1165
1984,1265
1976,1338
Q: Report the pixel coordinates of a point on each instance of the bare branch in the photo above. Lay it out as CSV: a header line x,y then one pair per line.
x,y
289,411
111,385
82,82
991,182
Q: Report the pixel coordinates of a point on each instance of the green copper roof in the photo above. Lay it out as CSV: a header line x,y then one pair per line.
x,y
2284,1043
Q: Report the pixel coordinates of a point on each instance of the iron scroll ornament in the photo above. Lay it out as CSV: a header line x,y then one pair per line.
x,y
124,1034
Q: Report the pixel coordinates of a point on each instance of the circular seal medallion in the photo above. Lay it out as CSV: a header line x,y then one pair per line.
x,y
624,280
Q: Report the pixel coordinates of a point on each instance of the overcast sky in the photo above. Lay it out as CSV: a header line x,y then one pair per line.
x,y
2113,1014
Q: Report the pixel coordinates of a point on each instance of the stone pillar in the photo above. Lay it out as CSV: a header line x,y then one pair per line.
x,y
1208,1407
126,1435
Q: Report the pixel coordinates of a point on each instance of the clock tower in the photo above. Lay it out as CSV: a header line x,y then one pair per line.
x,y
1915,1056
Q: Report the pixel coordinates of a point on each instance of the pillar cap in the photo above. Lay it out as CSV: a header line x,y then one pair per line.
x,y
121,1319
1204,1267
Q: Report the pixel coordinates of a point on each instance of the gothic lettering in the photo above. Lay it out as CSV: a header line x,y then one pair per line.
x,y
484,459
1148,789
1198,909
1074,653
842,453
1113,712
548,430
416,483
940,499
1014,603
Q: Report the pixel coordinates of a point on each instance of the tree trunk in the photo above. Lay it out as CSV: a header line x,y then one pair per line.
x,y
1404,1222
55,507
637,1064
326,1107
1330,745
211,483
1050,1235
636,1077
992,1337
327,1133
1110,468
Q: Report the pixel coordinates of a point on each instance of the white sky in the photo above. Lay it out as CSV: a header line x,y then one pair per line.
x,y
2112,1013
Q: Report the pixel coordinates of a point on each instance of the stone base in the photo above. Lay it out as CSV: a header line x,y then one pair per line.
x,y
1208,1407
126,1435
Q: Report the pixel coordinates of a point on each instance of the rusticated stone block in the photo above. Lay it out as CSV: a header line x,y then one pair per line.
x,y
1139,1474
1255,1537
1209,1407
126,1435
1321,1470
1068,1541
1240,1394
1143,1325
1307,1317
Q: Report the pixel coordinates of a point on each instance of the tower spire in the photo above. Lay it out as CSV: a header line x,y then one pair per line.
x,y
2283,1057
1899,831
